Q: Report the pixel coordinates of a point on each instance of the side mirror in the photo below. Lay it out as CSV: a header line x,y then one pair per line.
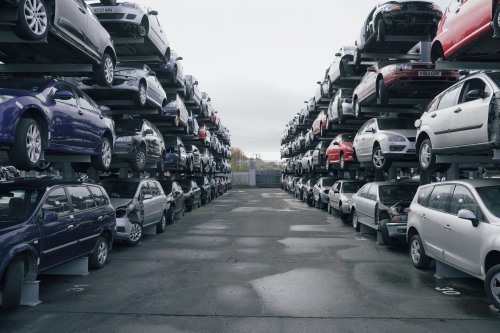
x,y
152,73
147,197
336,191
335,143
468,215
49,216
475,94
179,58
370,130
153,12
149,132
63,95
338,54
195,83
371,69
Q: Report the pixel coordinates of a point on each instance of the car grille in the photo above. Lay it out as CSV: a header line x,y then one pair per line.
x,y
411,151
412,139
109,16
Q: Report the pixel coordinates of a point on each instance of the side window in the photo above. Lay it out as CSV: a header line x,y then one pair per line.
x,y
462,199
450,97
471,85
155,190
423,195
63,86
57,201
144,190
81,198
439,197
100,198
145,127
85,101
433,105
364,191
372,192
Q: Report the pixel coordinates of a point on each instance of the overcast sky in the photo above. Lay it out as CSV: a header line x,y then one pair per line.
x,y
260,60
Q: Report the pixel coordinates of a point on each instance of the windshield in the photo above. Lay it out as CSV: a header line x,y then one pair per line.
x,y
490,195
396,123
33,85
404,192
17,204
328,181
170,141
185,184
351,187
348,137
120,189
346,93
129,126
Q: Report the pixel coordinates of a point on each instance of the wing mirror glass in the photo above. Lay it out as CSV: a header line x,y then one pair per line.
x,y
338,54
475,94
179,58
148,131
49,216
370,130
468,215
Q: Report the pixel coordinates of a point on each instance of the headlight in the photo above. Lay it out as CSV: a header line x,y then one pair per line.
x,y
125,72
129,4
349,148
124,139
392,8
402,67
5,98
398,138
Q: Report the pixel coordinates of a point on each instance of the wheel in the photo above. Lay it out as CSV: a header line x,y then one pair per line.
x,y
102,161
496,23
166,56
80,167
491,285
13,283
314,203
135,234
330,209
32,19
378,159
427,159
189,166
173,79
382,96
417,253
188,208
340,117
139,161
141,96
162,225
98,258
343,216
381,30
27,148
104,73
180,214
321,132
437,53
170,214
355,223
357,57
357,110
385,233
342,162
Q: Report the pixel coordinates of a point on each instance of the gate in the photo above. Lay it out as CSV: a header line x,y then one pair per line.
x,y
268,178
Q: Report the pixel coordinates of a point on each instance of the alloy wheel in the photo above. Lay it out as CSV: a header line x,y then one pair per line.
x,y
34,143
415,251
36,16
425,155
106,153
102,252
109,70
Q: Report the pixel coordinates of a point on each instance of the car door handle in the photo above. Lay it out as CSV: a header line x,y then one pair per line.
x,y
458,110
447,227
433,115
423,216
457,10
70,227
80,113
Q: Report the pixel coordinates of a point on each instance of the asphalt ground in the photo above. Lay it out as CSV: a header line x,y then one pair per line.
x,y
257,260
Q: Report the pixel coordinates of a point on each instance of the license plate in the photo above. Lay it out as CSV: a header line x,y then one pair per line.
x,y
429,73
103,10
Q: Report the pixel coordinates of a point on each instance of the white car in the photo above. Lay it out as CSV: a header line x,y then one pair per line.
x,y
458,223
306,162
340,195
132,20
340,107
380,141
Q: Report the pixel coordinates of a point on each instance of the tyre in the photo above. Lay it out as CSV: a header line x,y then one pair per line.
x,y
378,159
381,30
135,234
321,130
98,258
385,233
355,223
357,110
173,79
139,161
180,214
161,226
342,162
141,96
340,117
189,166
427,159
32,20
330,209
104,73
102,161
327,165
26,151
437,53
170,214
357,57
417,253
382,94
13,283
492,285
496,23
343,216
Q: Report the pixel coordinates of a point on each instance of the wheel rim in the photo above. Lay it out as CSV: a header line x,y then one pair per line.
x,y
135,233
108,70
425,155
106,153
378,158
33,143
342,162
357,110
142,94
415,251
495,286
140,159
36,16
102,252
163,222
355,220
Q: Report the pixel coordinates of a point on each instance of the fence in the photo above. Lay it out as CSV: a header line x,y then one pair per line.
x,y
259,178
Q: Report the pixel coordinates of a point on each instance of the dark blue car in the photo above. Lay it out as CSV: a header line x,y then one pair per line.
x,y
40,117
44,223
175,154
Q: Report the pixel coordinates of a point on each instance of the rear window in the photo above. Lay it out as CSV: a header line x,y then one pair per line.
x,y
398,192
489,195
423,195
17,204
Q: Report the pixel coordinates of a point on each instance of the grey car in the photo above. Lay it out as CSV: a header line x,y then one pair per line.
x,y
193,93
458,223
73,34
340,195
340,108
321,190
139,203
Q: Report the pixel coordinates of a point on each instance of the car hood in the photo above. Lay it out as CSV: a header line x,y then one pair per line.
x,y
10,226
407,133
347,196
17,92
120,202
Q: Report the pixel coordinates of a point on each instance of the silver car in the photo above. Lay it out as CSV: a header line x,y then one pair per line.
x,y
339,72
135,82
458,223
380,141
321,190
340,108
463,119
340,195
139,203
128,19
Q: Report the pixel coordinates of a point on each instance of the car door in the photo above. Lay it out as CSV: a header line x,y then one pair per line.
x,y
149,139
146,204
156,33
71,17
151,89
91,117
370,204
60,237
334,194
158,201
362,203
96,37
463,240
469,119
360,143
470,17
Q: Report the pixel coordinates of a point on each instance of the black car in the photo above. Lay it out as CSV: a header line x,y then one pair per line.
x,y
192,193
214,193
44,223
139,143
193,158
219,186
206,189
175,196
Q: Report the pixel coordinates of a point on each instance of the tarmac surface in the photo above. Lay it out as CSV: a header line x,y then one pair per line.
x,y
257,260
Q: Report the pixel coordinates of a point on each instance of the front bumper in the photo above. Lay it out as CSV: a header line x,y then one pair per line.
x,y
124,150
399,150
397,230
123,227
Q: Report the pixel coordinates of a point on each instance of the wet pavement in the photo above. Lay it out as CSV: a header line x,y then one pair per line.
x,y
257,260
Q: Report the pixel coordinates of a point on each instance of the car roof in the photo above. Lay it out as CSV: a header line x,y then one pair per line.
x,y
129,180
472,182
38,183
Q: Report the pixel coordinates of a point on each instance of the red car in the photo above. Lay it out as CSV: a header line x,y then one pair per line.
x,y
320,124
204,133
215,119
340,151
468,30
404,81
